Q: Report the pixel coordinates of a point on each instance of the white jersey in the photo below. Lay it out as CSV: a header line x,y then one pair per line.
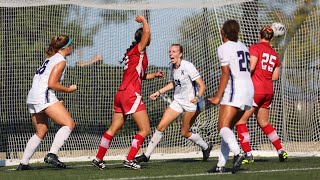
x,y
39,92
239,90
183,78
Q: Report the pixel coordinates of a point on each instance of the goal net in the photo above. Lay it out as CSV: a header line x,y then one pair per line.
x,y
102,30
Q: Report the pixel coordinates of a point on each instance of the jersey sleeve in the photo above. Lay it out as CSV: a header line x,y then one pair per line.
x,y
193,72
223,56
253,50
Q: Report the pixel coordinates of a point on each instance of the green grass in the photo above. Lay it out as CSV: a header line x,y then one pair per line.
x,y
307,168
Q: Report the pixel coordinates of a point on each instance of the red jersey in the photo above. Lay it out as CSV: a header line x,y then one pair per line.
x,y
134,71
268,60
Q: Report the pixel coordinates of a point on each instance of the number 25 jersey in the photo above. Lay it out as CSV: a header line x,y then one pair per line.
x,y
268,60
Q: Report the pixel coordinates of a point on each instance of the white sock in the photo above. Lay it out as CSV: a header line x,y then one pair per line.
x,y
61,136
153,143
229,137
31,147
198,141
224,154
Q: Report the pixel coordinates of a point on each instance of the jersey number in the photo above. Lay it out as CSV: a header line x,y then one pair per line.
x,y
244,61
43,67
267,62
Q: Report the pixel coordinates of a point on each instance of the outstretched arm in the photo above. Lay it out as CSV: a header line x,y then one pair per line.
x,y
162,90
153,75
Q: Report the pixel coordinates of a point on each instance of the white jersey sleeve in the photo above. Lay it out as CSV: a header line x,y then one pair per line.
x,y
192,71
223,56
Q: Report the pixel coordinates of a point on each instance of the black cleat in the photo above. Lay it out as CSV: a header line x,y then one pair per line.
x,y
216,169
237,161
23,167
283,156
142,158
206,153
98,163
53,159
131,164
248,159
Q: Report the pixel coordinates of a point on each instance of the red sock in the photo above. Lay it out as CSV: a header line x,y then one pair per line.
x,y
244,137
104,145
135,146
273,136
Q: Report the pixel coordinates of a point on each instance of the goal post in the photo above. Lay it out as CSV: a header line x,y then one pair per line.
x,y
102,30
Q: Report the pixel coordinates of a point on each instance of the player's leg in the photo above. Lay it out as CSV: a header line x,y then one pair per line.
x,y
142,120
244,136
106,139
58,113
40,123
222,159
188,120
226,117
263,121
170,114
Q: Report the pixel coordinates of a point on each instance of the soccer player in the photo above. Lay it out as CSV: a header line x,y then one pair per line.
x,y
184,77
128,100
235,92
43,103
265,68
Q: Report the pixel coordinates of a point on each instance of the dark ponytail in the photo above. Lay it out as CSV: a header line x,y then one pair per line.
x,y
137,37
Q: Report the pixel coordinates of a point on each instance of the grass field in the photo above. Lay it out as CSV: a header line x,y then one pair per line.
x,y
307,168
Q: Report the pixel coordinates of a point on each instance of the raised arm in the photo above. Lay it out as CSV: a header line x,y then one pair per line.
x,y
145,39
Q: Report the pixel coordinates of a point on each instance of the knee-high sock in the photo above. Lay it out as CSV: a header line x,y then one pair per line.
x,y
229,137
273,136
198,141
244,137
135,146
224,154
60,138
31,147
153,142
104,145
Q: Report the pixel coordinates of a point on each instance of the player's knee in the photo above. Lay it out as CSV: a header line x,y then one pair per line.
x,y
145,131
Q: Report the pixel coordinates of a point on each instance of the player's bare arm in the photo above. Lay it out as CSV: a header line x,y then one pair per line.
x,y
253,63
53,82
225,74
154,75
145,39
162,90
202,88
275,74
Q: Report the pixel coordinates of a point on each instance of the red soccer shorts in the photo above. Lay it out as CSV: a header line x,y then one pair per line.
x,y
128,102
262,100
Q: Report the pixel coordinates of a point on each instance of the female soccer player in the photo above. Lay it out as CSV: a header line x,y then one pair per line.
x,y
235,92
128,98
184,79
43,103
265,68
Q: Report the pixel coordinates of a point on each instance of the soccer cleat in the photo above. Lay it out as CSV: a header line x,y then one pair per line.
x,y
237,161
216,169
53,159
98,163
248,159
283,156
23,167
131,164
206,152
142,158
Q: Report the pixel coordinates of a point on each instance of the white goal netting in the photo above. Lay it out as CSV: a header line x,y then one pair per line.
x,y
103,29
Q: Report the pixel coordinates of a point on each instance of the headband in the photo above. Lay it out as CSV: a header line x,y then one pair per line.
x,y
68,44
